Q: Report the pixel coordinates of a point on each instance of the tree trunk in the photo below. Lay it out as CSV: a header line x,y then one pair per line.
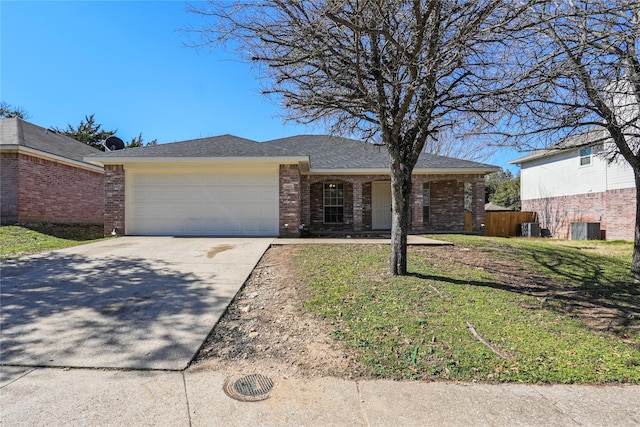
x,y
401,209
635,262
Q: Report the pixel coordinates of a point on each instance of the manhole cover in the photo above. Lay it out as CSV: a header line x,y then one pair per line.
x,y
250,388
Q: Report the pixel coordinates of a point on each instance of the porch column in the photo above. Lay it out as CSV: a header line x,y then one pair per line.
x,y
478,203
417,196
357,206
305,201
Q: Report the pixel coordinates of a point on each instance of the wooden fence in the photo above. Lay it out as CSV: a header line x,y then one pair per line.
x,y
506,224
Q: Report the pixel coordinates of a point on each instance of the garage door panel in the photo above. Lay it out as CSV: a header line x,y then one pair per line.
x,y
202,204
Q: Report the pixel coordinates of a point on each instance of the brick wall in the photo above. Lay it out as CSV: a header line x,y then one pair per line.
x,y
53,192
447,202
114,199
621,214
313,201
290,209
447,206
9,191
614,210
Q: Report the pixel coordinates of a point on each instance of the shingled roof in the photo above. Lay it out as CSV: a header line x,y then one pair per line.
x,y
17,133
215,146
330,152
586,139
322,151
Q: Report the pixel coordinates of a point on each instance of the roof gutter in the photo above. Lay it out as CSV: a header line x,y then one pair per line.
x,y
115,160
16,148
386,171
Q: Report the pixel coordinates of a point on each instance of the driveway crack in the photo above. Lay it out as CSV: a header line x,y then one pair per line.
x,y
186,398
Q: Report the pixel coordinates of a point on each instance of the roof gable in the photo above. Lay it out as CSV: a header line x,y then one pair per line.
x,y
14,131
588,138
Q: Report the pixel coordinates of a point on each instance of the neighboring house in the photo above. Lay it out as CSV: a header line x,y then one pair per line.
x,y
490,207
45,178
318,185
569,182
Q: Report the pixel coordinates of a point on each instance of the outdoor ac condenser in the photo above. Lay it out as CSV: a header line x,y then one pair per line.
x,y
585,231
530,229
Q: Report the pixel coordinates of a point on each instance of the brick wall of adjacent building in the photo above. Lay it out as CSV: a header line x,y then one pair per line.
x,y
9,191
114,199
615,210
46,191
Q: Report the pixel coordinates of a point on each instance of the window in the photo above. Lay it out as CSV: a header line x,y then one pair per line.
x,y
585,156
333,203
426,203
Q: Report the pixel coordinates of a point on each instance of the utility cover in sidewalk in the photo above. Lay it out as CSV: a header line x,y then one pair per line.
x,y
250,388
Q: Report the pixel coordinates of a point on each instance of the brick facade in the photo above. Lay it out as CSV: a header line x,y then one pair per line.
x,y
114,199
290,209
9,193
447,202
39,190
615,210
301,202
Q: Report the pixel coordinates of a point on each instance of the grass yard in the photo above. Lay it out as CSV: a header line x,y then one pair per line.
x,y
486,309
17,241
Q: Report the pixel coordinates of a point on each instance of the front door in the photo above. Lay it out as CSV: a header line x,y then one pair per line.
x,y
381,205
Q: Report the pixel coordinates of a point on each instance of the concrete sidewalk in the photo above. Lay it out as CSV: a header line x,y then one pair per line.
x,y
50,396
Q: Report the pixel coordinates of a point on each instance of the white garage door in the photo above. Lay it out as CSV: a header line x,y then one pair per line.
x,y
225,202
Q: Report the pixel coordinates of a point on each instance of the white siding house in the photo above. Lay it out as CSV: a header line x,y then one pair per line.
x,y
570,182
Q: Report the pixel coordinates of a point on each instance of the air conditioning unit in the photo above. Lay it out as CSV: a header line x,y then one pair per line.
x,y
530,229
585,231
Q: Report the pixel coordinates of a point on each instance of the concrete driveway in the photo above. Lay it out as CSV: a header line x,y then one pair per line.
x,y
128,302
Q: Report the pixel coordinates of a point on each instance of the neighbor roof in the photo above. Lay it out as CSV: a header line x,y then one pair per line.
x,y
322,153
16,133
585,139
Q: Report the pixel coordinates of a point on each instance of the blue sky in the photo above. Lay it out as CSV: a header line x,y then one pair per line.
x,y
126,62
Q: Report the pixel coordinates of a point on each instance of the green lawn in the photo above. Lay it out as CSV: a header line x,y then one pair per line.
x,y
487,309
17,241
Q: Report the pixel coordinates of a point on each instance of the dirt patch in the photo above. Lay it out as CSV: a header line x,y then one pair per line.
x,y
604,309
266,329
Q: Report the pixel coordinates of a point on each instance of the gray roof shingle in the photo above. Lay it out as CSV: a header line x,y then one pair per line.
x,y
215,146
330,152
590,137
15,131
324,152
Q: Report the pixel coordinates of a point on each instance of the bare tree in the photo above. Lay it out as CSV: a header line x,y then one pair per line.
x,y
400,72
9,111
572,67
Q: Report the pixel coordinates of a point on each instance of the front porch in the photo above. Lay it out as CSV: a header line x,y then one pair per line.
x,y
360,205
